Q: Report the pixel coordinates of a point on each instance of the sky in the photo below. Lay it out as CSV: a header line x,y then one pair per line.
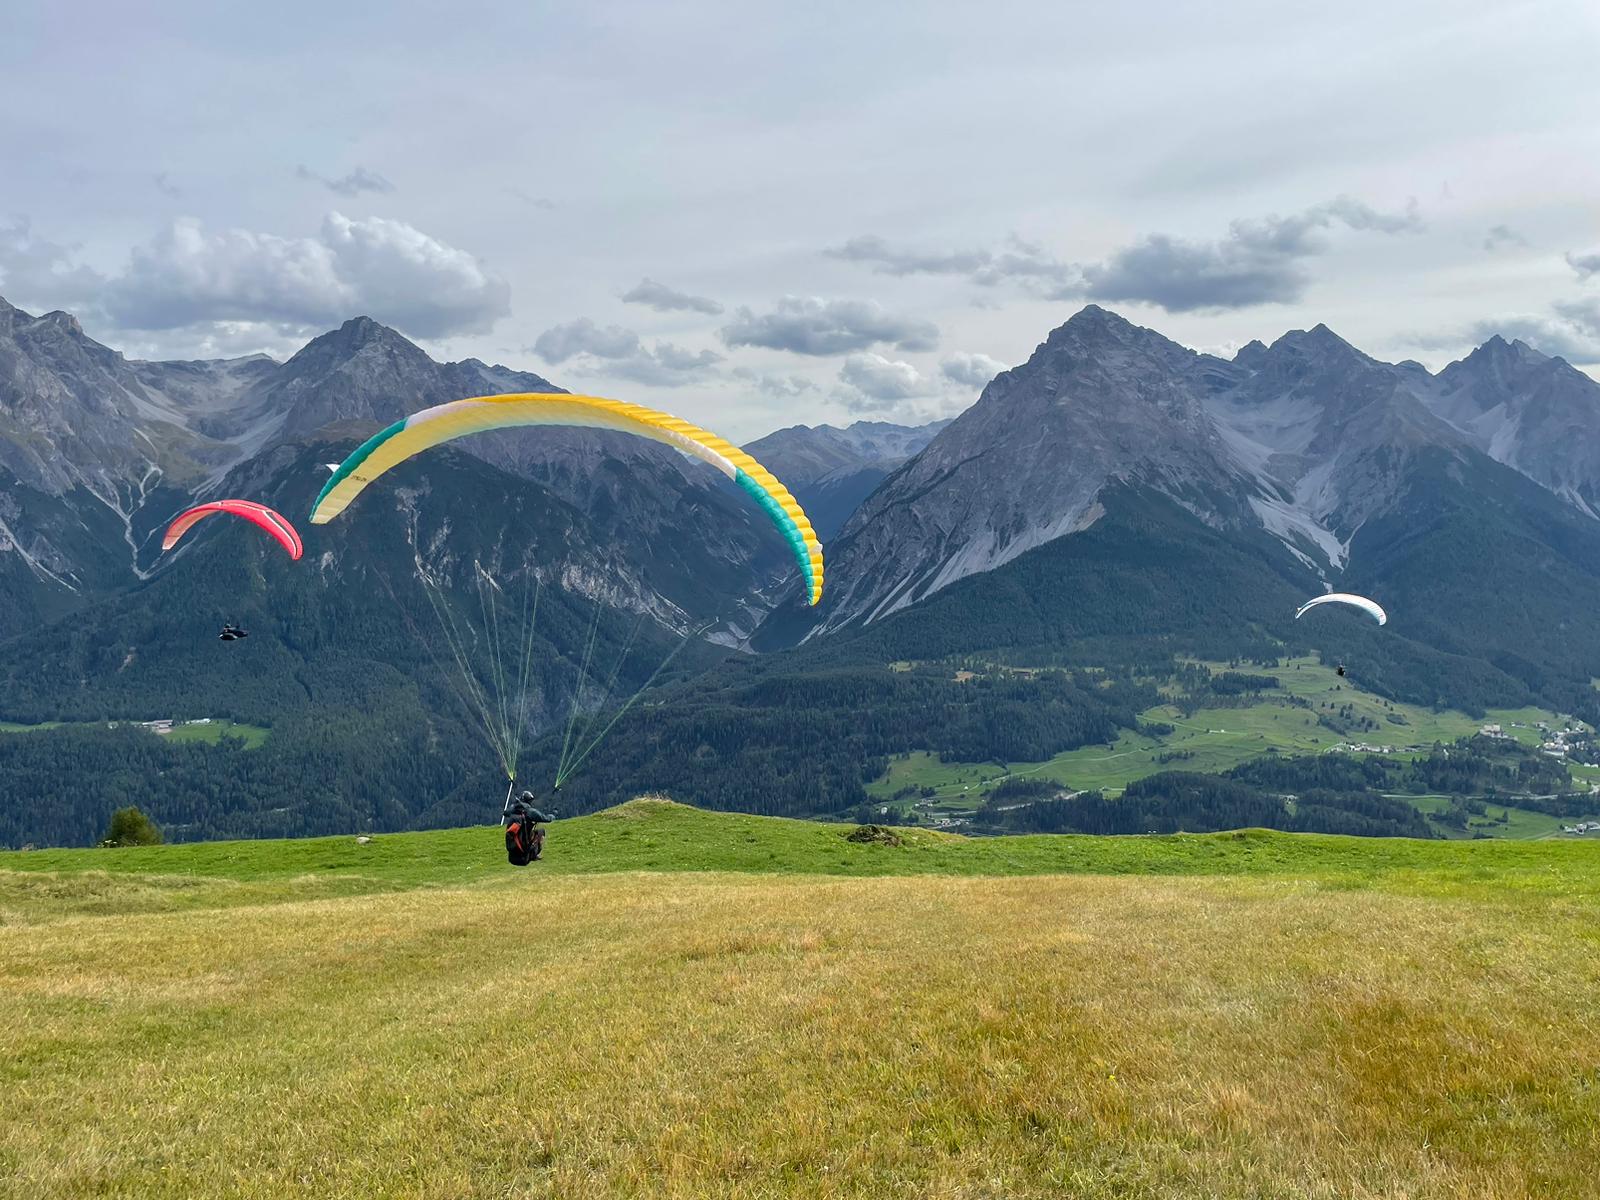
x,y
758,215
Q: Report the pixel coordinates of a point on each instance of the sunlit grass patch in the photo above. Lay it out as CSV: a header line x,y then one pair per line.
x,y
765,1035
252,736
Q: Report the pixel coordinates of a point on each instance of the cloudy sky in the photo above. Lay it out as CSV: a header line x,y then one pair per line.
x,y
759,214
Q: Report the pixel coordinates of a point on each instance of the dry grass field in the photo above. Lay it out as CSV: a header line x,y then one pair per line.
x,y
1412,1033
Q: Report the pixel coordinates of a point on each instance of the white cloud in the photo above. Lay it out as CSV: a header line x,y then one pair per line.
x,y
782,387
532,201
352,184
1502,235
880,379
217,339
665,365
618,353
808,325
970,370
188,276
1259,261
582,336
1019,261
664,299
1031,264
38,273
1585,265
940,149
874,252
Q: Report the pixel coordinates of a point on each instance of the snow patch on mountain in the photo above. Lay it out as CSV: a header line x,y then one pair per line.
x,y
1293,527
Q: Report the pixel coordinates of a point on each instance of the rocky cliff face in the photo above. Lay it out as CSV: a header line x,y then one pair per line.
x,y
1100,401
1307,440
97,452
1532,412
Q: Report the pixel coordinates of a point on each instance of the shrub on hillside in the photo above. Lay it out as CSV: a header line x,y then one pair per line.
x,y
130,827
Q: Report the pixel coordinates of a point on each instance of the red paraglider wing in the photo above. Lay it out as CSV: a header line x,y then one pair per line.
x,y
259,514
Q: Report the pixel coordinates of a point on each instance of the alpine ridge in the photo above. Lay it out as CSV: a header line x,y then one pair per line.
x,y
1306,440
97,452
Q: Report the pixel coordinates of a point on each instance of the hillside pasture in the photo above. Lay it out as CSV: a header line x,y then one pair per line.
x,y
688,1004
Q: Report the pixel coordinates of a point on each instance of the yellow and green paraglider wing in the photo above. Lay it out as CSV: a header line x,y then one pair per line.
x,y
446,422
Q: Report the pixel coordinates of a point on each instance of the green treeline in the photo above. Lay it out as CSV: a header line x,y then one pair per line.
x,y
1473,766
765,737
1183,801
1323,793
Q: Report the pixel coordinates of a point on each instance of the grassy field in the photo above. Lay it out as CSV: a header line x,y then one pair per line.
x,y
1217,739
1522,823
661,836
210,731
214,731
678,1003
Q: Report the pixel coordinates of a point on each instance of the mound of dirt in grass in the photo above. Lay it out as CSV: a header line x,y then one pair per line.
x,y
876,835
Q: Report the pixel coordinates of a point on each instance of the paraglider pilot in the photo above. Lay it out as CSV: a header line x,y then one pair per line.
x,y
522,818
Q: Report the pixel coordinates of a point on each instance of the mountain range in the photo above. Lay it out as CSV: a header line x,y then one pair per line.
x,y
1308,441
97,452
1116,499
831,470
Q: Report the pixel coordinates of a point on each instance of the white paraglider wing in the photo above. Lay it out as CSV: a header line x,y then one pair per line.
x,y
1371,607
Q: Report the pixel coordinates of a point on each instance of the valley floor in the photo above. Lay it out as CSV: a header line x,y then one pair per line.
x,y
1216,739
770,1010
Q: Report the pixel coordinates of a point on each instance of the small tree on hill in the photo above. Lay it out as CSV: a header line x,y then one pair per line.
x,y
130,827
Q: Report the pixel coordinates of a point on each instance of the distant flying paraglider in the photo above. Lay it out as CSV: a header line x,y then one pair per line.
x,y
1371,607
445,422
257,514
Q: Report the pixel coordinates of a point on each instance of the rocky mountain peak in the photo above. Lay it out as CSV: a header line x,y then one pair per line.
x,y
1305,440
63,321
1318,346
1251,354
1530,411
359,336
362,371
1095,329
1094,366
1101,400
1498,362
1091,317
1487,378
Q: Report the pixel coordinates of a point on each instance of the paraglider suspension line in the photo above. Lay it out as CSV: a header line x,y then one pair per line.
x,y
566,771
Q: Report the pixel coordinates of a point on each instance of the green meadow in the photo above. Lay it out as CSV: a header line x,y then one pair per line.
x,y
681,1003
189,731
